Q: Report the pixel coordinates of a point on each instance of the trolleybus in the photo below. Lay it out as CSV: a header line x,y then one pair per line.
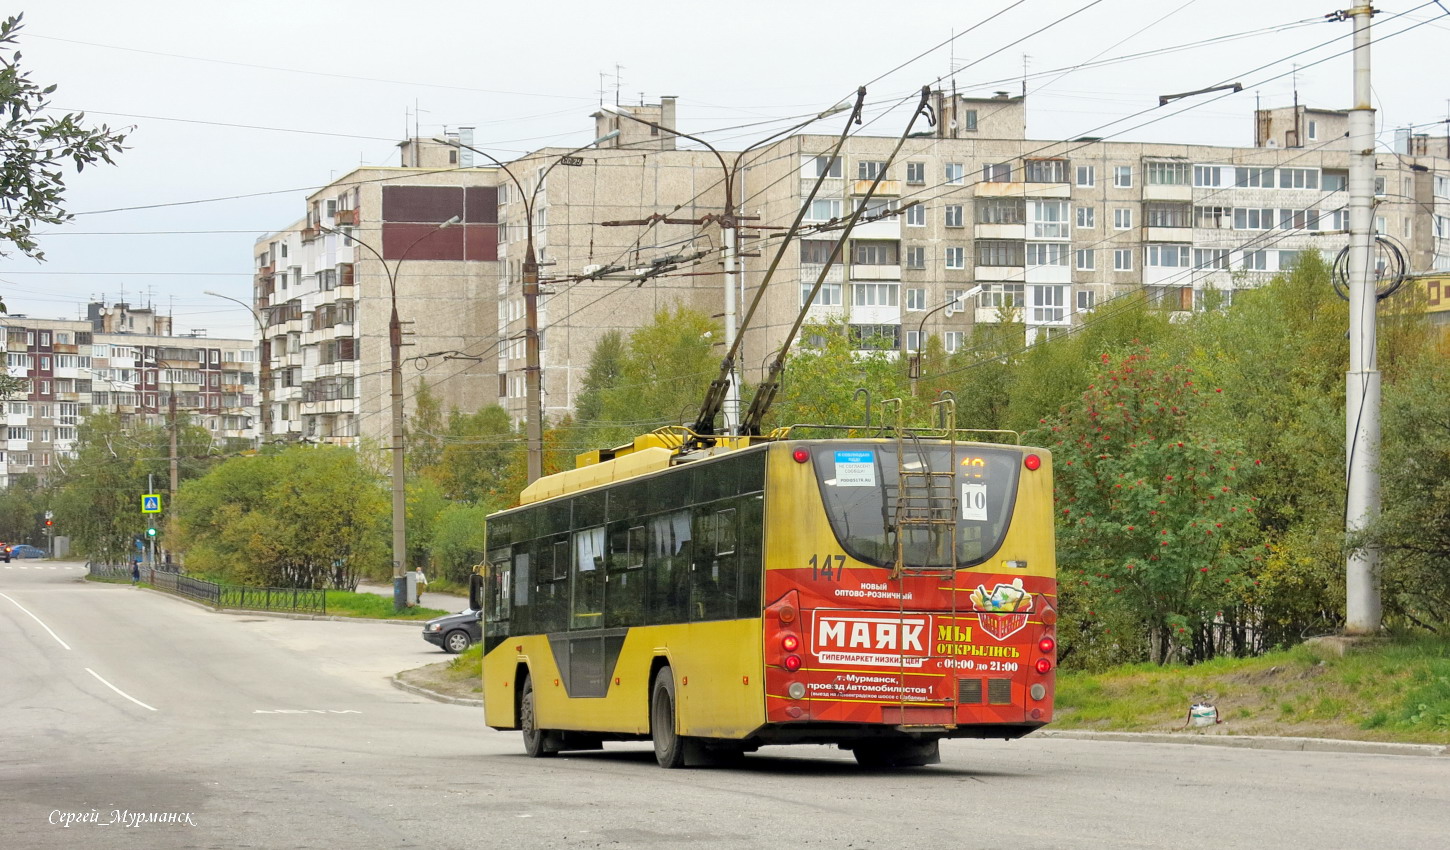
x,y
874,594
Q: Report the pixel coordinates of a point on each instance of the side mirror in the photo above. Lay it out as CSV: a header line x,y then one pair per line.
x,y
475,593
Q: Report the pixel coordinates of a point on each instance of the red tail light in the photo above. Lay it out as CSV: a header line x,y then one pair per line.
x,y
1046,646
790,643
1032,462
800,455
1043,665
793,662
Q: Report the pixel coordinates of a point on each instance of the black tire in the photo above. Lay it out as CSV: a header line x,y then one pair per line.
x,y
456,641
880,754
669,744
536,741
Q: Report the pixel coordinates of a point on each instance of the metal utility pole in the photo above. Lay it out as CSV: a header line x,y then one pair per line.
x,y
171,515
1362,388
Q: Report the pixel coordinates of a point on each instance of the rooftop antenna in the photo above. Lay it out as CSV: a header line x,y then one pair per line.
x,y
602,89
618,81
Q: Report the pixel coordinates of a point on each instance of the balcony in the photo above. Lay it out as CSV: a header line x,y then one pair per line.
x,y
887,189
1168,234
265,271
1002,231
345,218
1023,190
309,234
1153,192
886,228
875,272
983,274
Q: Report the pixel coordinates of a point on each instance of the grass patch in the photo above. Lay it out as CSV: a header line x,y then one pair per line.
x,y
1392,690
345,603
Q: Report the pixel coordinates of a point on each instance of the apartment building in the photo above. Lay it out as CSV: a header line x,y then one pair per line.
x,y
324,290
629,224
122,360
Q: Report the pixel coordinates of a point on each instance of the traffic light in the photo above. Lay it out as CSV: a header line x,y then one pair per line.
x,y
151,532
49,522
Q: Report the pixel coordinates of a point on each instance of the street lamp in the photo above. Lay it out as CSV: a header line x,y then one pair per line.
x,y
729,223
264,376
395,345
534,401
914,362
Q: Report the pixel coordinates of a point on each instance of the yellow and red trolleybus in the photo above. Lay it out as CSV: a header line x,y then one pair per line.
x,y
875,594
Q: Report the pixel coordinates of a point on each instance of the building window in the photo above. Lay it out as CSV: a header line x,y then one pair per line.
x,y
1000,252
1217,218
1123,218
916,299
1123,176
1298,178
913,340
916,257
875,337
1288,259
1256,260
1049,304
1210,258
1167,256
875,294
1046,170
1122,259
1168,215
825,166
829,296
1001,295
815,252
997,172
868,169
971,120
956,257
1442,185
1207,176
1085,259
1313,130
1001,211
1049,219
1379,185
916,215
915,173
1255,178
875,253
953,215
1047,253
1337,181
1084,300
1086,218
956,173
1161,173
1087,175
1253,219
953,341
824,209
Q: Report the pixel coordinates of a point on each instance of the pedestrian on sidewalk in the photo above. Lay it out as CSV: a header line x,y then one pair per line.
x,y
422,583
135,570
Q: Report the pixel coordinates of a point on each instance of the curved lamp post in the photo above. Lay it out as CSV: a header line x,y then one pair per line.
x,y
914,363
264,369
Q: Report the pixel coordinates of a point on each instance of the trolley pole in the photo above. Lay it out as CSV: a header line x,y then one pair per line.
x,y
1362,388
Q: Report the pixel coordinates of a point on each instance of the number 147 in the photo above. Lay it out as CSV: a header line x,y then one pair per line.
x,y
821,567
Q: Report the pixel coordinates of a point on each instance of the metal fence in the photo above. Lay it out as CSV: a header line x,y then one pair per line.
x,y
293,599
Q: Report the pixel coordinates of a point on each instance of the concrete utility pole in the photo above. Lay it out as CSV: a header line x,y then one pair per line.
x,y
1362,388
395,371
171,513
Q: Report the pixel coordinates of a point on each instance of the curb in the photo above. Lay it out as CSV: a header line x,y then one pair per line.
x,y
1256,742
434,695
283,615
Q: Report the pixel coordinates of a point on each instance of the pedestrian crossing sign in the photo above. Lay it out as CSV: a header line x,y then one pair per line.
x,y
151,503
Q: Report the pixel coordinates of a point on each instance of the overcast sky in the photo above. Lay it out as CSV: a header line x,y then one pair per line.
x,y
270,99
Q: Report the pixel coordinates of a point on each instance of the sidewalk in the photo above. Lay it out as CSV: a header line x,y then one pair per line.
x,y
446,601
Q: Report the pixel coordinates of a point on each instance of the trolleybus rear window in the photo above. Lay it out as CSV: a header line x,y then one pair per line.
x,y
969,498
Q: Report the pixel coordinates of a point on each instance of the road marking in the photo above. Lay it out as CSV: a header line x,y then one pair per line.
x,y
37,619
118,690
306,711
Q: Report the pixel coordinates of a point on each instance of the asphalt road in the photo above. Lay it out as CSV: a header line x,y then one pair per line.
x,y
261,732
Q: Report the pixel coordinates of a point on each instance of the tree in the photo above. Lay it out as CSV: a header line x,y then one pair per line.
x,y
424,443
821,379
35,147
1149,507
482,460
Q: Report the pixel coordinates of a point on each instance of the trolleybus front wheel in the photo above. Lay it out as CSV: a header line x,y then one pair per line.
x,y
669,744
536,741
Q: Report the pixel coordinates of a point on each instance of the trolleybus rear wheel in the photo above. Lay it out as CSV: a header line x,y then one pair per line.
x,y
536,743
669,745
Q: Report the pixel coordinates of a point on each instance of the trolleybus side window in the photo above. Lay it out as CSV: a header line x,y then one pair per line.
x,y
588,608
624,588
670,548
